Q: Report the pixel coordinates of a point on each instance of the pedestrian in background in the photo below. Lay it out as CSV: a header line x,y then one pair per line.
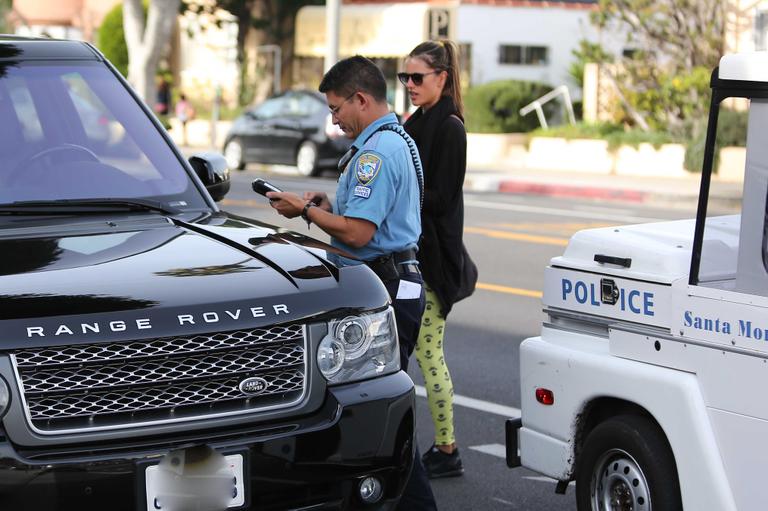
x,y
376,213
184,112
432,79
163,100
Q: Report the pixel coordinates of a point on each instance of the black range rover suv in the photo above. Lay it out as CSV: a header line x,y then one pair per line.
x,y
138,321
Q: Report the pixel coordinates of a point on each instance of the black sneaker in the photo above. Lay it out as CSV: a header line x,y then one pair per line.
x,y
439,464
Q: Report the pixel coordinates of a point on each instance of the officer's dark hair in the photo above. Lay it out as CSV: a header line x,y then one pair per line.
x,y
443,56
355,74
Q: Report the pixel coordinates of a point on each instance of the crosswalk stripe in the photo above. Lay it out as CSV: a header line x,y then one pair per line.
x,y
497,450
477,404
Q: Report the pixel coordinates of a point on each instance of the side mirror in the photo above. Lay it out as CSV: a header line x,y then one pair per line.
x,y
213,171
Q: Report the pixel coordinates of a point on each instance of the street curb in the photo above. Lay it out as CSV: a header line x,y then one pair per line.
x,y
500,184
724,200
586,192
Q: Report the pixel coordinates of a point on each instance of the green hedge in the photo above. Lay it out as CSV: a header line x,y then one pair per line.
x,y
111,40
731,131
494,107
615,134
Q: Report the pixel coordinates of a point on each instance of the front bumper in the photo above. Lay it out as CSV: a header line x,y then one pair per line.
x,y
309,462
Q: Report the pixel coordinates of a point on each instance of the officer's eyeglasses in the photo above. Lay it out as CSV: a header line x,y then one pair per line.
x,y
416,78
335,109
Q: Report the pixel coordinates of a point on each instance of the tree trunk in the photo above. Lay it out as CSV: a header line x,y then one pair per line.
x,y
147,41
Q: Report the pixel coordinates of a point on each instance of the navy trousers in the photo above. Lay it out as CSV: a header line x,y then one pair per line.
x,y
417,495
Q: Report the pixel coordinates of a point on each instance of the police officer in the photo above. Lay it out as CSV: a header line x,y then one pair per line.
x,y
376,216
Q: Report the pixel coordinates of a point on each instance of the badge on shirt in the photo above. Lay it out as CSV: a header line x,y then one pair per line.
x,y
362,191
368,166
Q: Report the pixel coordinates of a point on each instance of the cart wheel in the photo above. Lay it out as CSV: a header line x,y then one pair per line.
x,y
627,465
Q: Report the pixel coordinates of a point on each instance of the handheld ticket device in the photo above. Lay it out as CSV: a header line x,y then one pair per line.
x,y
262,187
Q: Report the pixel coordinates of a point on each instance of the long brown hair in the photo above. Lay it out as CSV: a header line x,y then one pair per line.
x,y
443,55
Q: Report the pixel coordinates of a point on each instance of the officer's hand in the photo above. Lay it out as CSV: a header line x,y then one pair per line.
x,y
286,203
320,199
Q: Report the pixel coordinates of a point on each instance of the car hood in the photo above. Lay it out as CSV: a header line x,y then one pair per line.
x,y
147,276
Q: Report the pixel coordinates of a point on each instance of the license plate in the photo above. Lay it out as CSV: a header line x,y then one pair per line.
x,y
235,462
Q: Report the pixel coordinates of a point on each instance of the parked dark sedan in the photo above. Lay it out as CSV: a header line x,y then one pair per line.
x,y
292,128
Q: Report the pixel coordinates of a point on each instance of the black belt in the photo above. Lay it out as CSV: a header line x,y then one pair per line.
x,y
395,265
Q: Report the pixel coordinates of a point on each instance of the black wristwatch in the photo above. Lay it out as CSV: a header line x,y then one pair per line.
x,y
305,211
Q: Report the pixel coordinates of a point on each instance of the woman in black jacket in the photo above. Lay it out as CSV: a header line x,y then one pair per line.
x,y
432,79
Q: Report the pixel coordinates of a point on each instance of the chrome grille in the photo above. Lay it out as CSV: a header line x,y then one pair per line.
x,y
111,385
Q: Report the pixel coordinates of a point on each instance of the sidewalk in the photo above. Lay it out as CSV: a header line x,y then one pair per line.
x,y
663,192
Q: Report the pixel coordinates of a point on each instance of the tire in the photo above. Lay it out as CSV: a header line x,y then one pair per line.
x,y
626,464
233,153
306,159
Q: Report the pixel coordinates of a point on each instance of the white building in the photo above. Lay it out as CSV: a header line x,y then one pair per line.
x,y
526,40
529,40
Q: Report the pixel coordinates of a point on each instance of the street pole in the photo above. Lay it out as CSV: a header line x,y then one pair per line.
x,y
332,21
215,115
277,56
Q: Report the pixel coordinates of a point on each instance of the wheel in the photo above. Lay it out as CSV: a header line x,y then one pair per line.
x,y
306,158
626,464
233,153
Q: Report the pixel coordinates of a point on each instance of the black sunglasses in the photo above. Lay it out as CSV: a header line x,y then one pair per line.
x,y
416,78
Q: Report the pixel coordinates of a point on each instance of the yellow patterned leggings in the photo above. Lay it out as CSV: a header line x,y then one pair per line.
x,y
429,355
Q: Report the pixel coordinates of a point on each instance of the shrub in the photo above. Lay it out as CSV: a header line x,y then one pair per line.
x,y
615,134
494,107
731,131
111,40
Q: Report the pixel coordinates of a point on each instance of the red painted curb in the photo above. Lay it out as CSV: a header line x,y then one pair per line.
x,y
590,192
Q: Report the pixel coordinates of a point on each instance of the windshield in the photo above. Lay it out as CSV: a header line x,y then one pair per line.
x,y
70,130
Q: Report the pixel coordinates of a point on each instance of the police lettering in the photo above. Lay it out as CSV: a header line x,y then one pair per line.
x,y
632,300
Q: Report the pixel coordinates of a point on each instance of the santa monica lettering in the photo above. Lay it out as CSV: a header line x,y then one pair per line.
x,y
746,329
707,324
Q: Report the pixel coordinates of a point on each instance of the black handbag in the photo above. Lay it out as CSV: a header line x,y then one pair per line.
x,y
468,279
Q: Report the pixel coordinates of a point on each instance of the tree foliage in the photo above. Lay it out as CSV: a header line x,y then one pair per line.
x,y
5,8
494,107
586,53
147,37
111,40
273,21
675,45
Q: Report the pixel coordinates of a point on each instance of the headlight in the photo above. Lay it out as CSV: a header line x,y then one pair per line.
x,y
5,397
359,347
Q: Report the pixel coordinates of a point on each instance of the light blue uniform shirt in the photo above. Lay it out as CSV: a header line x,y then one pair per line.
x,y
380,185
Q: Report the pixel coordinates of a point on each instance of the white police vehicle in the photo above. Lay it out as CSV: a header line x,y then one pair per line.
x,y
646,384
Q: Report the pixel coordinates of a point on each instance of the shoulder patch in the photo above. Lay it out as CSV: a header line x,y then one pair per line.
x,y
362,191
367,168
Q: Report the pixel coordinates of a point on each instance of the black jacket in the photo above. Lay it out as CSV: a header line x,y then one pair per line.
x,y
442,141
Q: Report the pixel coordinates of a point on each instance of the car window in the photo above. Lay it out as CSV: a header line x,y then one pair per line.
x,y
269,108
21,102
93,115
72,130
303,105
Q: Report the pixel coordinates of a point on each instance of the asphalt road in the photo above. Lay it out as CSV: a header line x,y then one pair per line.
x,y
511,238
